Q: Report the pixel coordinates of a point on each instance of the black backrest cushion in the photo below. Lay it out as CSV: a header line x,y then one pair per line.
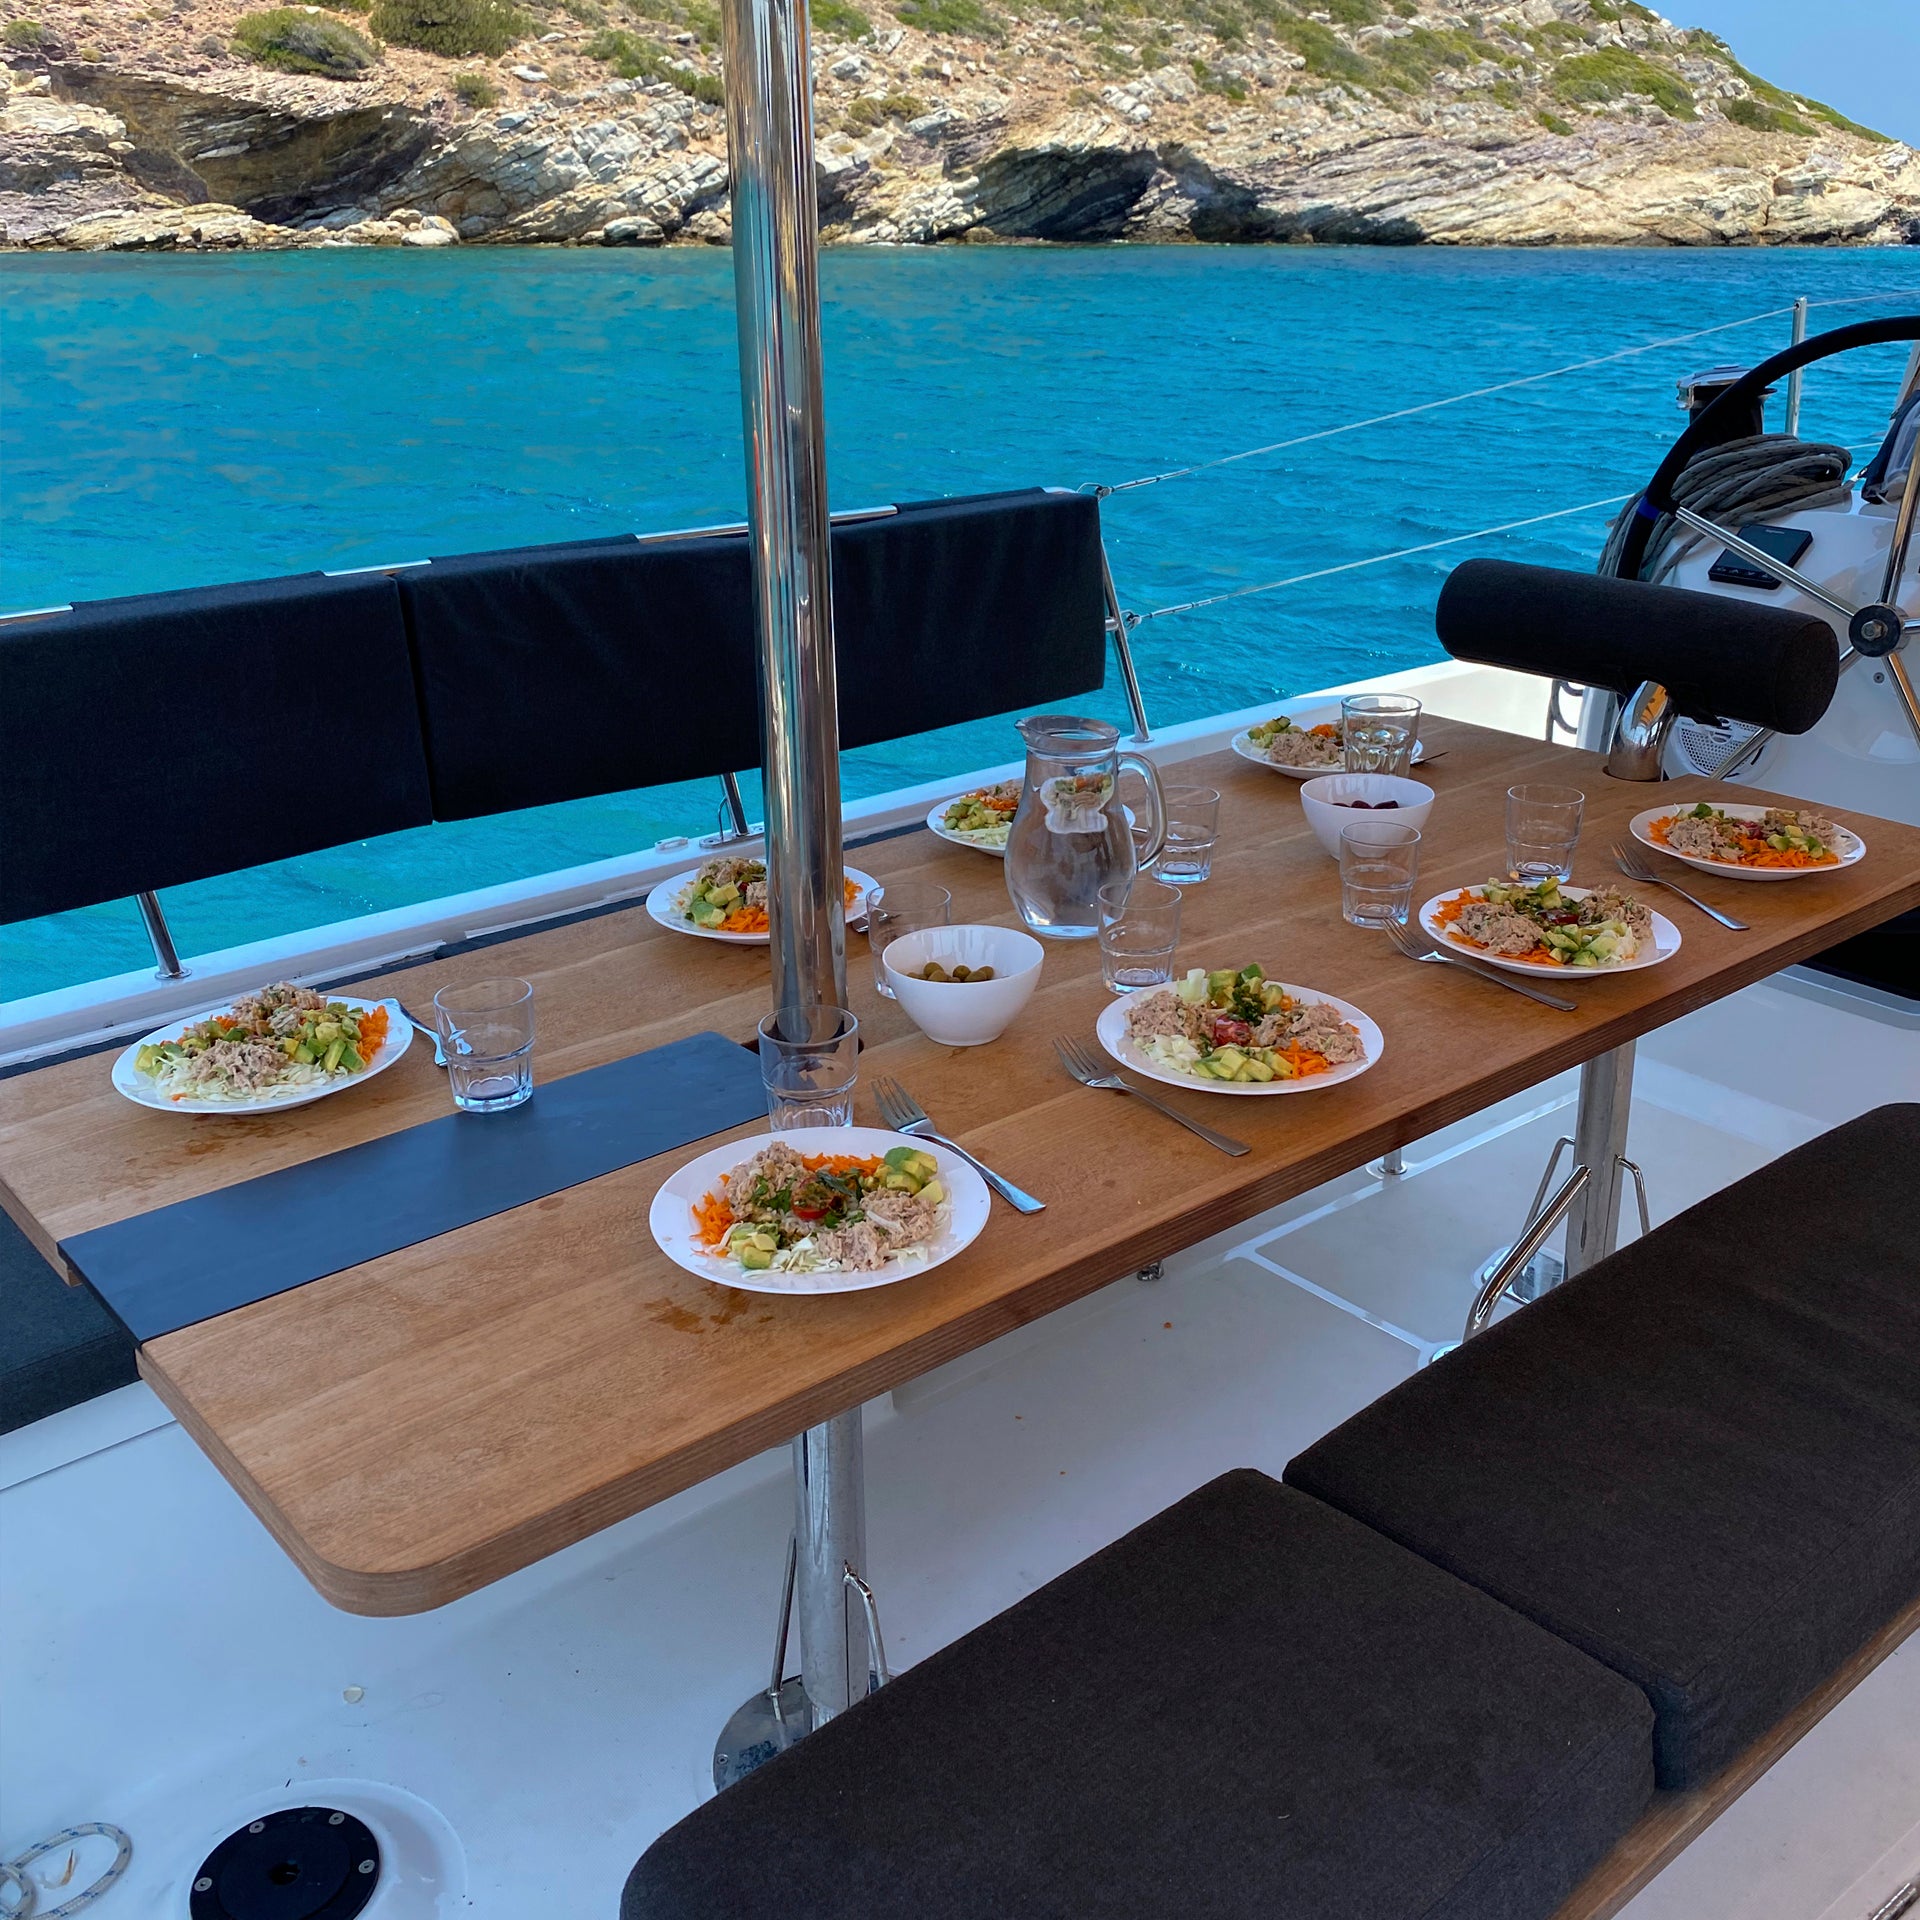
x,y
151,741
961,609
556,673
1720,658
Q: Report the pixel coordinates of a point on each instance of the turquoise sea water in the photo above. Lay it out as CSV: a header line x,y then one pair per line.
x,y
167,422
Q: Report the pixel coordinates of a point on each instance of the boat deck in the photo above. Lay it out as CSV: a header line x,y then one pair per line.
x,y
167,1669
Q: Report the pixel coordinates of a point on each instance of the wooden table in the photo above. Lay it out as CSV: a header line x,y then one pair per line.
x,y
421,1425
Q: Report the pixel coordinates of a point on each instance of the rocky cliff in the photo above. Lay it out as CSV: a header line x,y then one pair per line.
x,y
1549,122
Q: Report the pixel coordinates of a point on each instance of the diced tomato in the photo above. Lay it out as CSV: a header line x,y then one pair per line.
x,y
1229,1032
810,1213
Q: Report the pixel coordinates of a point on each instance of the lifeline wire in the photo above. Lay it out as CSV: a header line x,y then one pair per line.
x,y
1401,553
1103,492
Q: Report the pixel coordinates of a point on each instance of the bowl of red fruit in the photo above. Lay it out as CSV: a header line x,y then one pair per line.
x,y
1337,799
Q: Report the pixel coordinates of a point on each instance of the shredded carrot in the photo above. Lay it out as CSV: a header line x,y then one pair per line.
x,y
373,1033
1448,911
712,1220
1303,1060
1325,730
840,1163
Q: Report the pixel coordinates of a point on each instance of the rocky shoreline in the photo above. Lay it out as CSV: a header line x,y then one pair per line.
x,y
1548,123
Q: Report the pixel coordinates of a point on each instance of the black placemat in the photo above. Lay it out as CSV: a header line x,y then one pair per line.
x,y
160,1271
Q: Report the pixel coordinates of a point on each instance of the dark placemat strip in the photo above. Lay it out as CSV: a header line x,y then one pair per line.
x,y
187,1262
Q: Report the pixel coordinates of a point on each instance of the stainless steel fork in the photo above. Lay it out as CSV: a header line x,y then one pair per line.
x,y
1091,1071
1416,946
1637,869
904,1114
433,1033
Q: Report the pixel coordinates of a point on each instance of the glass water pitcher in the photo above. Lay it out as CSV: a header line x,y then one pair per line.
x,y
1071,836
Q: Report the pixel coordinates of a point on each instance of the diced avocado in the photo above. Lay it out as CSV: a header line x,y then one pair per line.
x,y
1220,985
147,1060
1282,1068
704,914
723,895
1273,995
351,1060
1230,1058
901,1158
327,1031
897,1180
933,1193
303,1055
1254,974
1256,1070
766,1240
334,1052
924,1164
755,1259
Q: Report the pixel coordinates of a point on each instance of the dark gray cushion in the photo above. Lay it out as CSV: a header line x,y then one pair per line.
x,y
58,1344
168,737
1248,1706
1699,1461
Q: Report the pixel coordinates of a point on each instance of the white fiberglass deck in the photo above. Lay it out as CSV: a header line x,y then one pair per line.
x,y
166,1669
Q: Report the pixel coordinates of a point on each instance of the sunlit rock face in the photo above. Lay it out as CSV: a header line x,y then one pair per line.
x,y
1387,122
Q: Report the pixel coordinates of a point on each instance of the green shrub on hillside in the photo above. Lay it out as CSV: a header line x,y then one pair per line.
x,y
950,16
29,36
840,17
459,29
1763,118
1553,123
635,59
1613,72
871,109
295,41
475,90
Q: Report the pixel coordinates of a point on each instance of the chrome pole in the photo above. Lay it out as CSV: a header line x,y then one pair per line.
x,y
160,938
1793,379
777,300
831,1526
1600,1145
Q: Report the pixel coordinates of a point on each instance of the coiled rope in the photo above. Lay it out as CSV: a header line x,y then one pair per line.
x,y
13,1873
1739,480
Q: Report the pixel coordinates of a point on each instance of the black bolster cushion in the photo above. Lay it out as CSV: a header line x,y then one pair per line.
x,y
961,609
165,738
556,673
1720,658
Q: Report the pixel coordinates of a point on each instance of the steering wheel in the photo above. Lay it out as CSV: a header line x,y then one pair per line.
x,y
1876,630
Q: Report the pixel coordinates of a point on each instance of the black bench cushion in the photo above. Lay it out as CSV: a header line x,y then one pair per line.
x,y
1248,1706
1700,1460
151,741
556,673
58,1344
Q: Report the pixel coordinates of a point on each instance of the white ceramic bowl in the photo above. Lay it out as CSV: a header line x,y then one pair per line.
x,y
1320,797
964,1013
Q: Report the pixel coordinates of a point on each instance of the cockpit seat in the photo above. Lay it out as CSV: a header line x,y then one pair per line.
x,y
1249,1705
58,1344
1699,1462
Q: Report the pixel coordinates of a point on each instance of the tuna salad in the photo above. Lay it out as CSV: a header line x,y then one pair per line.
x,y
730,896
984,817
283,1039
1289,746
789,1212
1548,925
1239,1026
1774,837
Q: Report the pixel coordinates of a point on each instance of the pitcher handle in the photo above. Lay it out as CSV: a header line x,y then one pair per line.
x,y
1151,775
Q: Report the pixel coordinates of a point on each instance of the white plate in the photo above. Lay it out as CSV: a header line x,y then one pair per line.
x,y
1111,1030
671,1216
941,831
1666,942
138,1088
1847,844
1244,747
663,905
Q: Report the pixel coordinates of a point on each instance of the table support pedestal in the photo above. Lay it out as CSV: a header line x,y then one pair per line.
x,y
841,1657
1600,1145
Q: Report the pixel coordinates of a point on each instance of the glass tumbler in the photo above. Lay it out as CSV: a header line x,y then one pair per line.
x,y
902,906
1379,862
486,1032
1379,731
809,1061
1193,828
1543,829
1139,932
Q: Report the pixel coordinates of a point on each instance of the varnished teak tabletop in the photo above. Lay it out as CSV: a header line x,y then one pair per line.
x,y
416,1427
